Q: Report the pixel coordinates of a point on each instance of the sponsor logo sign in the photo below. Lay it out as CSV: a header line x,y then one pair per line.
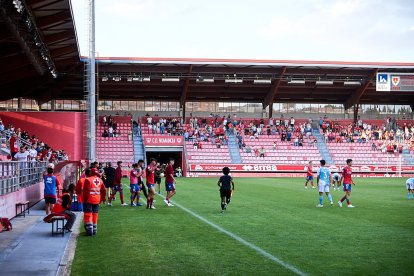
x,y
163,140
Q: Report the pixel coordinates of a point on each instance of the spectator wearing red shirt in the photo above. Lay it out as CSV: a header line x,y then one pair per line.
x,y
14,145
169,182
53,157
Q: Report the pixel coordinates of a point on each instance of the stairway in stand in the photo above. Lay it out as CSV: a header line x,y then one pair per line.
x,y
408,157
322,147
234,149
139,148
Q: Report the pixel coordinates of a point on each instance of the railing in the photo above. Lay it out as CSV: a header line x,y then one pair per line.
x,y
16,175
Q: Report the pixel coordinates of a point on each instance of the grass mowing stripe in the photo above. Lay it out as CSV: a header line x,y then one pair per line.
x,y
241,240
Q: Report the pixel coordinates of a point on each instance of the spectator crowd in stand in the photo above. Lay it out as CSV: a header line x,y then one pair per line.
x,y
110,127
215,129
387,137
24,147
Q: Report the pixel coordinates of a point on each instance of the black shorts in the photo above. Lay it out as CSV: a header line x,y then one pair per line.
x,y
225,193
108,185
157,180
90,208
50,200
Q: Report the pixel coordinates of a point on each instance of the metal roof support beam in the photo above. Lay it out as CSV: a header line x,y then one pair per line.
x,y
58,37
33,58
185,89
354,99
54,19
272,92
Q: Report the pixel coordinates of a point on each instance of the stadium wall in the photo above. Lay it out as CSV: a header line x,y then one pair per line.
x,y
8,201
60,130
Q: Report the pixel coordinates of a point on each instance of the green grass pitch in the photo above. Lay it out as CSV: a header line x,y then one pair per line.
x,y
276,214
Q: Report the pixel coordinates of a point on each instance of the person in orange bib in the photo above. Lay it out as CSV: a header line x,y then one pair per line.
x,y
64,204
94,192
80,184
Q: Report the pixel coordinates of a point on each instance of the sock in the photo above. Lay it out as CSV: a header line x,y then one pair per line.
x,y
330,197
121,196
348,201
342,199
151,201
222,206
137,199
320,199
409,195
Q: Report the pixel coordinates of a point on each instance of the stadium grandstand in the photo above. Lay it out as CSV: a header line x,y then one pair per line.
x,y
261,118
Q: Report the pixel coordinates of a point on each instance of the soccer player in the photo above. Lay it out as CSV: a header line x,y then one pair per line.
x,y
157,177
347,182
94,192
410,187
134,186
109,173
141,175
323,180
226,185
336,179
118,185
309,176
169,182
151,168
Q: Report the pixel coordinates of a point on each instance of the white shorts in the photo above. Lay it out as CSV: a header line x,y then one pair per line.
x,y
323,188
409,185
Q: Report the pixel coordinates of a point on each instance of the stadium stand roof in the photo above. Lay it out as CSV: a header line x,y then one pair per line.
x,y
25,72
37,41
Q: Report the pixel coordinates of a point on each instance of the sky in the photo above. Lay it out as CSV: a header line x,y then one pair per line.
x,y
327,30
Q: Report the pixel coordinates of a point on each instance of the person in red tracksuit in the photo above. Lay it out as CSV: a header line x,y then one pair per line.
x,y
118,186
94,192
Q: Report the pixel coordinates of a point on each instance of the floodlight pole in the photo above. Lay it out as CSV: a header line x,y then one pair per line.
x,y
92,85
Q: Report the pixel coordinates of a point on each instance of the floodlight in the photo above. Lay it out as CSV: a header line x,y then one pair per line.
x,y
262,81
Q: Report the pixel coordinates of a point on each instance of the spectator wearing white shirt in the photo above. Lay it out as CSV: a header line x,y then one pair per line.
x,y
22,155
33,153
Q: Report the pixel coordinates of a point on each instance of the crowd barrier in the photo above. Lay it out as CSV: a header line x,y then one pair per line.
x,y
23,181
15,175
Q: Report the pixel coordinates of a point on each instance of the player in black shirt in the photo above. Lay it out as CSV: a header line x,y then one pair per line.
x,y
226,185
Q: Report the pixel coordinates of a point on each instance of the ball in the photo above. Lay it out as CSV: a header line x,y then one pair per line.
x,y
162,175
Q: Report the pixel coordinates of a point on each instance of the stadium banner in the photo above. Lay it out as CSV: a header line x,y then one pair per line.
x,y
267,174
397,82
291,168
163,141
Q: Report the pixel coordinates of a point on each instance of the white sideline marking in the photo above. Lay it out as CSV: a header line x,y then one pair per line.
x,y
241,240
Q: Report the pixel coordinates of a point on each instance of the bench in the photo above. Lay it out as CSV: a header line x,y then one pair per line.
x,y
23,206
56,229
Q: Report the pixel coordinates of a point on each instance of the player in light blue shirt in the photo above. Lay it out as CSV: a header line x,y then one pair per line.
x,y
323,181
410,187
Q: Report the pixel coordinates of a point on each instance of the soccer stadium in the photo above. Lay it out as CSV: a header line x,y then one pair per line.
x,y
217,159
